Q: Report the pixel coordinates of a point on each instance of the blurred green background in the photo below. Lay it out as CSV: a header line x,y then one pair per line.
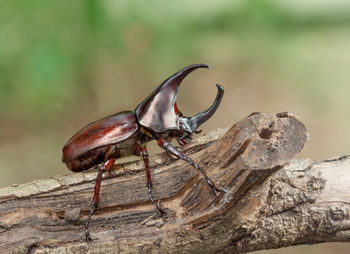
x,y
64,64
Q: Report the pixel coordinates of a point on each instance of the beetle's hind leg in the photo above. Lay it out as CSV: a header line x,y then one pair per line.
x,y
106,166
149,180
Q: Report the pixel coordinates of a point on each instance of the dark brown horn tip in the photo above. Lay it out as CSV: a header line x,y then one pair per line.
x,y
220,87
205,65
200,65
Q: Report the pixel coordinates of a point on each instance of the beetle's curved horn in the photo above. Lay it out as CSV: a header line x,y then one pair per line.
x,y
157,112
203,116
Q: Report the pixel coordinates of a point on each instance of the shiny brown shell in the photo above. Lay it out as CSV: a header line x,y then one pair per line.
x,y
104,132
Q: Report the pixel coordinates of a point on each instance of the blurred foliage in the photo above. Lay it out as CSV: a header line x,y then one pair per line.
x,y
48,50
66,63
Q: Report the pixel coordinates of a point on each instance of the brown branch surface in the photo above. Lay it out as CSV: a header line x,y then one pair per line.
x,y
269,200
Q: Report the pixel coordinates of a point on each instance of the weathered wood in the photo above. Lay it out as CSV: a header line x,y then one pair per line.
x,y
268,202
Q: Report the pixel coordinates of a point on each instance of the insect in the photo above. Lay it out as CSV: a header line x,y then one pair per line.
x,y
126,133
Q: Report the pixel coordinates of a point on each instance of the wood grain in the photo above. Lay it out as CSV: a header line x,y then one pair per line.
x,y
47,216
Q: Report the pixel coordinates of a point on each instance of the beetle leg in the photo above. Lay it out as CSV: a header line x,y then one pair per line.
x,y
183,141
106,166
149,180
198,131
167,146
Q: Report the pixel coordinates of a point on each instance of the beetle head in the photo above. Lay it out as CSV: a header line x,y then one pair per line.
x,y
159,112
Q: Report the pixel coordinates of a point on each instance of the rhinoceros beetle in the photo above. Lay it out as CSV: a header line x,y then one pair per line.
x,y
126,133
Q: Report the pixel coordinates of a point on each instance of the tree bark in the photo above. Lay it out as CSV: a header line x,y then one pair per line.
x,y
269,199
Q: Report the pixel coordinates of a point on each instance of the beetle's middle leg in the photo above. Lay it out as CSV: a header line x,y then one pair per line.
x,y
167,146
106,166
149,180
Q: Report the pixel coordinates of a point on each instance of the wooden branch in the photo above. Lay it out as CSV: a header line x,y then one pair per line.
x,y
269,200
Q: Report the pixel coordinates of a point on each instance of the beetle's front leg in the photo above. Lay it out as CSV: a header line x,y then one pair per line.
x,y
149,180
106,166
167,146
